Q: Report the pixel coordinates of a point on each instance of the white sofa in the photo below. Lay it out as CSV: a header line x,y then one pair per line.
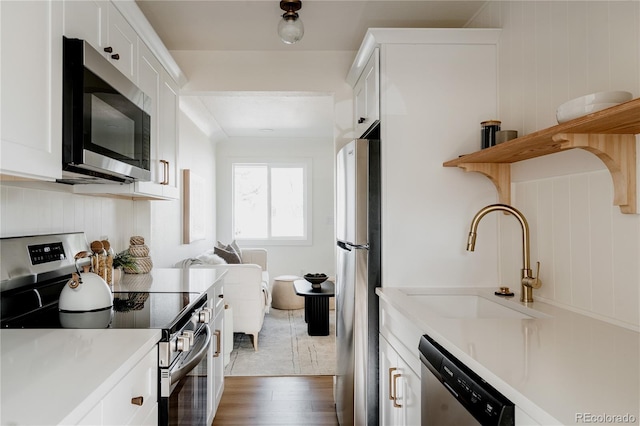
x,y
247,289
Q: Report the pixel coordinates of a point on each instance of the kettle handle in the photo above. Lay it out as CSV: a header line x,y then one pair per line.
x,y
85,268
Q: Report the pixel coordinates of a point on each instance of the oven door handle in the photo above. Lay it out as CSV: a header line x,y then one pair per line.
x,y
178,374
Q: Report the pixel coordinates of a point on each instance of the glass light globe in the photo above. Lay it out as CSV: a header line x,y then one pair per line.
x,y
290,29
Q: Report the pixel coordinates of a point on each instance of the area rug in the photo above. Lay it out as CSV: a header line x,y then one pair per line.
x,y
284,348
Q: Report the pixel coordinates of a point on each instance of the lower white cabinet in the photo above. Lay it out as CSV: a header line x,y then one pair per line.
x,y
133,400
399,389
216,302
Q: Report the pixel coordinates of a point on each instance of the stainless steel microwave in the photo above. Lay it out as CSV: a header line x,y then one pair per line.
x,y
106,128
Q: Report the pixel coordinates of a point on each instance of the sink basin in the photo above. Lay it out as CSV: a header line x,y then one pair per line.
x,y
466,306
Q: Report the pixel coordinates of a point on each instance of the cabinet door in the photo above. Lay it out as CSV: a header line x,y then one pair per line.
x,y
87,20
31,95
372,88
359,105
399,389
168,136
388,360
218,357
367,95
123,41
149,81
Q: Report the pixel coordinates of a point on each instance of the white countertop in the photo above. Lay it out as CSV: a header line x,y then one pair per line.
x,y
53,376
553,366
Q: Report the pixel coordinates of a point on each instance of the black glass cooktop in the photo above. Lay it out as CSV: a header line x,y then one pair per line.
x,y
130,310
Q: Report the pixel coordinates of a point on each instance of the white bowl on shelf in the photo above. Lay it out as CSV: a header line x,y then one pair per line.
x,y
590,103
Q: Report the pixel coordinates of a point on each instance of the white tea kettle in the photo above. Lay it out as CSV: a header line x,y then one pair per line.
x,y
86,300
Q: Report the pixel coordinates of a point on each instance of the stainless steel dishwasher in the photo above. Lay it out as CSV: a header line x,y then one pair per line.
x,y
454,395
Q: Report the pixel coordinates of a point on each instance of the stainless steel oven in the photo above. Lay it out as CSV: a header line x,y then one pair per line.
x,y
186,387
454,395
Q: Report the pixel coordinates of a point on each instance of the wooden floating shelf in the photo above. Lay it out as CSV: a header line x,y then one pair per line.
x,y
609,134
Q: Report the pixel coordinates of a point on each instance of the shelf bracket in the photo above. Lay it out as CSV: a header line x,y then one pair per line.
x,y
618,153
498,173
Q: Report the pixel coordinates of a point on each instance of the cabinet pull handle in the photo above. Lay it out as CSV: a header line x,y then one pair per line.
x,y
391,396
137,400
221,296
108,49
218,340
165,171
115,56
395,389
361,120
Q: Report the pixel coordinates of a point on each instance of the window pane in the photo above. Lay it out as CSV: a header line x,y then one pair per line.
x,y
287,202
250,201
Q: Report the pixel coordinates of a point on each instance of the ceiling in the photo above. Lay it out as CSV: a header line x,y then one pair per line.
x,y
330,25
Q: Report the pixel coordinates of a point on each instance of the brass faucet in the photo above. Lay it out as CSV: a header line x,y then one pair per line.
x,y
528,281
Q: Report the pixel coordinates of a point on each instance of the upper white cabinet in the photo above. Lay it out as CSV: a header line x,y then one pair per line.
x,y
104,27
367,95
31,95
163,91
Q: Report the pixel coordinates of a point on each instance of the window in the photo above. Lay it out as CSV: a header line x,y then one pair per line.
x,y
270,202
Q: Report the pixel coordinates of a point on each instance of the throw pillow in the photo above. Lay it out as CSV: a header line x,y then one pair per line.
x,y
230,247
210,258
230,256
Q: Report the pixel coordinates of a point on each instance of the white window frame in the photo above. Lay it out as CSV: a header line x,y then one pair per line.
x,y
305,164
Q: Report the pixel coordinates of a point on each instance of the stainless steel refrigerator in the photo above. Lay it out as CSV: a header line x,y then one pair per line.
x,y
357,276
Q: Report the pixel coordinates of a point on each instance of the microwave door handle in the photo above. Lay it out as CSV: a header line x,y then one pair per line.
x,y
181,372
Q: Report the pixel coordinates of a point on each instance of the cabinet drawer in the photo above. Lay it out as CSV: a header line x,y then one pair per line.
x,y
141,381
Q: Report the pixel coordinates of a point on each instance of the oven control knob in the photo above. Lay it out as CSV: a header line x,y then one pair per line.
x,y
189,334
204,316
182,344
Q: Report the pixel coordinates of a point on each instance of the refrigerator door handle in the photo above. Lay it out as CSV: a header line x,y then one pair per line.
x,y
348,246
344,246
360,246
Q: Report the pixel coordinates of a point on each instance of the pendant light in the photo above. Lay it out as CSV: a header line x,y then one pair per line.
x,y
290,28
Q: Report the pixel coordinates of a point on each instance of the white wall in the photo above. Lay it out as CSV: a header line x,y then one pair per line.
x,y
197,153
28,211
282,259
551,52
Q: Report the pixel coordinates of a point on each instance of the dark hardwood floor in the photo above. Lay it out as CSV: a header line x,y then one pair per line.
x,y
290,400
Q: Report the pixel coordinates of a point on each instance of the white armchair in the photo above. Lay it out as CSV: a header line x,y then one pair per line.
x,y
246,289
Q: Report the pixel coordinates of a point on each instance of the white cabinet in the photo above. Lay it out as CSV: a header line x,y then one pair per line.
x,y
104,27
399,389
31,95
217,364
133,400
367,95
163,91
399,368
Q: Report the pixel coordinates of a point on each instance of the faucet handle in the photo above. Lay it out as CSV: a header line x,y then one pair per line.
x,y
531,281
